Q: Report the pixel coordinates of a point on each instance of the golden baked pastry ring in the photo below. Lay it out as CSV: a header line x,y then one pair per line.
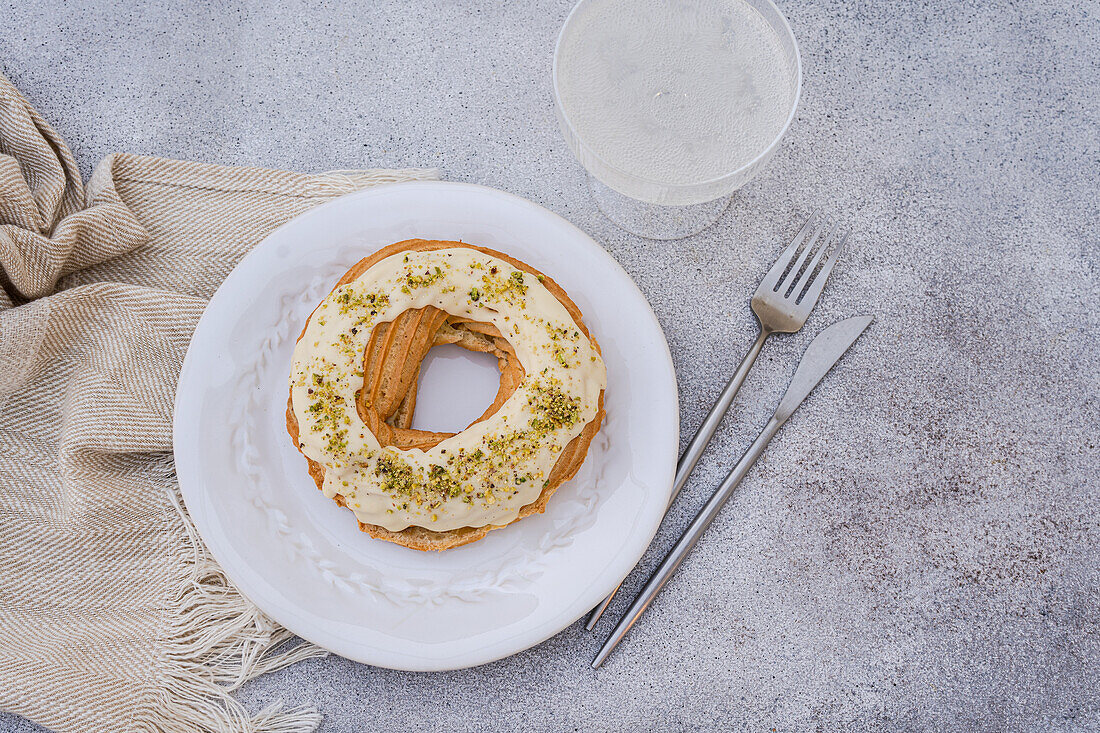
x,y
391,368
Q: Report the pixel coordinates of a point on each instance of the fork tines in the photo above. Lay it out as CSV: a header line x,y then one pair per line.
x,y
820,234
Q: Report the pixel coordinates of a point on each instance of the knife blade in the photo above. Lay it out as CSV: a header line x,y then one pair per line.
x,y
822,353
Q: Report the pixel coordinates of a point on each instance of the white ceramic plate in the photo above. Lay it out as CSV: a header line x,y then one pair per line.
x,y
302,559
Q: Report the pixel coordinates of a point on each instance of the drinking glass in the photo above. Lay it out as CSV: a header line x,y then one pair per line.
x,y
672,105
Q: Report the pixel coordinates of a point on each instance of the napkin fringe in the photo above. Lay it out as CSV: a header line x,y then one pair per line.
x,y
216,641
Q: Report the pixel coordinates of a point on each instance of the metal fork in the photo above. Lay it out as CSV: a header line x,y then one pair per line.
x,y
782,303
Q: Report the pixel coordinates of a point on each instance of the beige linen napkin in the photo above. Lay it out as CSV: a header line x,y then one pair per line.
x,y
113,616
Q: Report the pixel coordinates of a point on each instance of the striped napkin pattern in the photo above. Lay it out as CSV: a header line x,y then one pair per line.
x,y
113,616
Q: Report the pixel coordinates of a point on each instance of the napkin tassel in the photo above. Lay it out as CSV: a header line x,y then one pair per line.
x,y
217,640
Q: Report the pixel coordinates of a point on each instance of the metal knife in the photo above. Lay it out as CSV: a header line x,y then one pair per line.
x,y
823,352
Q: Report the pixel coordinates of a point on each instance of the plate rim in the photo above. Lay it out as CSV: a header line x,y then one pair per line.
x,y
289,616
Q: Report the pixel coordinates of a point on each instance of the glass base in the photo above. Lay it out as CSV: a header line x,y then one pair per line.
x,y
654,221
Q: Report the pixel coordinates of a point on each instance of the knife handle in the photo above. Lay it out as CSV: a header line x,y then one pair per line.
x,y
686,543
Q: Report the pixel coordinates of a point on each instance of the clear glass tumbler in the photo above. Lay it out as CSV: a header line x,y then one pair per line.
x,y
672,105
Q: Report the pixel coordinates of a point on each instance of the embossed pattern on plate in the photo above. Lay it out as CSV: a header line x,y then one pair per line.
x,y
301,558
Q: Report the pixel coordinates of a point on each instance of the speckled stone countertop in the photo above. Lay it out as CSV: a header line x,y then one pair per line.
x,y
920,547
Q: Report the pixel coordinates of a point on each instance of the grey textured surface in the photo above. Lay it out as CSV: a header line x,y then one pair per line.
x,y
919,548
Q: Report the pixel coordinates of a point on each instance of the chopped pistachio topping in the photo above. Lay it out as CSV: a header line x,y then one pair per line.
x,y
419,281
496,464
396,475
328,406
350,300
553,408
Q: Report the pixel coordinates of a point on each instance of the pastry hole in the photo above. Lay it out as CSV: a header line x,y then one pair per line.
x,y
455,387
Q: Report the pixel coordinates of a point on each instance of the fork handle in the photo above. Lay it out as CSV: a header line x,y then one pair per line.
x,y
697,445
709,426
